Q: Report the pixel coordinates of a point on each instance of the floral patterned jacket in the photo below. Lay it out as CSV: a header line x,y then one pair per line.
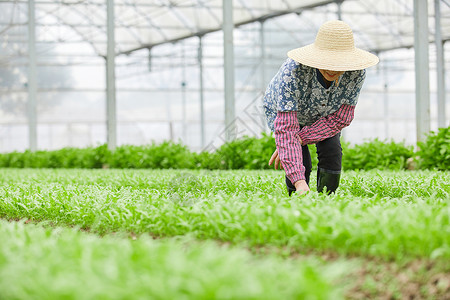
x,y
296,88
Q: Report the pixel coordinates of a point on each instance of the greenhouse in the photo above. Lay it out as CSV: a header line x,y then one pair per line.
x,y
224,149
155,70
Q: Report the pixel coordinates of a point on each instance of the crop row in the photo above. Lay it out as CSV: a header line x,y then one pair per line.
x,y
245,153
385,214
47,263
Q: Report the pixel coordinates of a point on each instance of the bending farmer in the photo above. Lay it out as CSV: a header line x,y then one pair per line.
x,y
310,100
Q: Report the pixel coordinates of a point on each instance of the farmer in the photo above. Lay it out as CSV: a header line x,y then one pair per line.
x,y
310,100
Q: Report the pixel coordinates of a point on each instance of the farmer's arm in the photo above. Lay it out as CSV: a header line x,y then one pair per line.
x,y
327,126
289,145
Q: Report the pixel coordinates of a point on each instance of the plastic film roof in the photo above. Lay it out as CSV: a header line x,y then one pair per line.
x,y
379,24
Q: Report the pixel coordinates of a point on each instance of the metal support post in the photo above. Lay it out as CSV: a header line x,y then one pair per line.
x,y
386,102
202,111
111,123
263,57
339,9
169,116
263,74
32,83
421,69
183,93
149,59
440,66
228,25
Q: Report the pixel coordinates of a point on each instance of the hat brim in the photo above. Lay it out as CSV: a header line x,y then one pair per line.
x,y
333,60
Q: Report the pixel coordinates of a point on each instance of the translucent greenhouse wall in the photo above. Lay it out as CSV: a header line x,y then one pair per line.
x,y
158,92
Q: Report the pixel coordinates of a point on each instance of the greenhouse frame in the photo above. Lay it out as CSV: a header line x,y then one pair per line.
x,y
86,72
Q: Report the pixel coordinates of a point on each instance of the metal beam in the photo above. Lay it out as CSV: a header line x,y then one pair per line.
x,y
208,8
251,20
228,48
149,20
111,123
383,20
440,65
32,83
404,46
77,31
421,69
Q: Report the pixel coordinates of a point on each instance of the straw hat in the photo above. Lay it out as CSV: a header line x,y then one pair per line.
x,y
334,49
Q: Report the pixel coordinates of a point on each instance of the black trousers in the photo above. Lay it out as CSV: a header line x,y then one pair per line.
x,y
329,154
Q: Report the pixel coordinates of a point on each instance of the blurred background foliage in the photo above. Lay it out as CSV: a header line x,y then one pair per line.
x,y
245,153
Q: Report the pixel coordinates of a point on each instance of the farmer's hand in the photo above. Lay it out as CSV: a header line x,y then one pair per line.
x,y
301,187
275,158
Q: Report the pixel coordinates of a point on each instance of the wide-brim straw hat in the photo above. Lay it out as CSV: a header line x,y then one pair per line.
x,y
334,49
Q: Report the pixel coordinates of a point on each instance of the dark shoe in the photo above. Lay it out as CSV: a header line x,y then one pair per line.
x,y
329,179
290,187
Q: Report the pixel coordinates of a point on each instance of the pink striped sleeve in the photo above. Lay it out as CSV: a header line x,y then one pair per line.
x,y
289,145
328,126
